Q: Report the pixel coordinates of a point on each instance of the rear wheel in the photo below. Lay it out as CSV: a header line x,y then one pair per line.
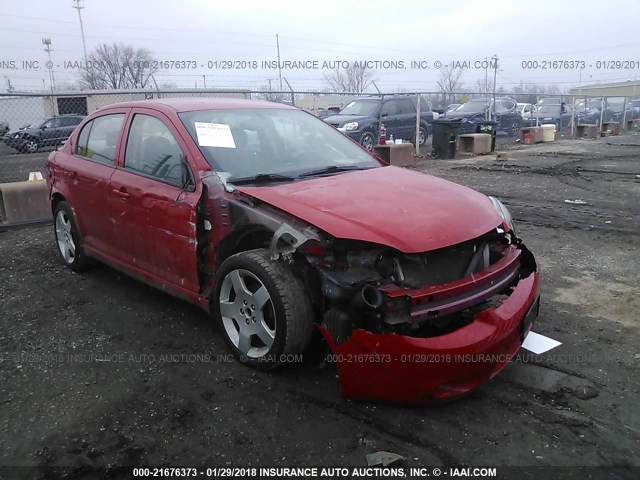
x,y
515,128
423,134
265,315
68,238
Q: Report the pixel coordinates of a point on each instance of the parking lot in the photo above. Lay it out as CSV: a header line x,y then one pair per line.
x,y
99,369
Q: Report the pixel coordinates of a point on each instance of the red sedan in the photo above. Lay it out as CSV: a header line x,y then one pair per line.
x,y
277,224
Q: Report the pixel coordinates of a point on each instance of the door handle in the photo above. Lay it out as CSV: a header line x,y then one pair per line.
x,y
122,193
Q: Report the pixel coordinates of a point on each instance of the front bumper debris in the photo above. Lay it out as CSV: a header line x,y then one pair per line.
x,y
403,369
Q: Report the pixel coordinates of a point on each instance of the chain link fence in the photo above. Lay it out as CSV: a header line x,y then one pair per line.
x,y
33,125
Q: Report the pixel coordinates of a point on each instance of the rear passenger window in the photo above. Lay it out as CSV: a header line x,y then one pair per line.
x,y
99,138
406,106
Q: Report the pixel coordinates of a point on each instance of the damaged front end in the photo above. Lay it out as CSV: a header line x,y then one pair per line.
x,y
411,328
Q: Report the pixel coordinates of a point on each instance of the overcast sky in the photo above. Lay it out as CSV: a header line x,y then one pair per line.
x,y
327,30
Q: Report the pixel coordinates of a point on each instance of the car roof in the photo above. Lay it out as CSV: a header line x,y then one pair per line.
x,y
190,104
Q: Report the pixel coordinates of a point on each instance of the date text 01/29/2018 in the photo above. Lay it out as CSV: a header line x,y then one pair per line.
x,y
580,64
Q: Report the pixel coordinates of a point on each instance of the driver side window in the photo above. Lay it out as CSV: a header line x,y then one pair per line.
x,y
153,151
53,123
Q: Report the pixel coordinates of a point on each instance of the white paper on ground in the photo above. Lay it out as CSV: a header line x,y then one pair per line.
x,y
214,135
538,344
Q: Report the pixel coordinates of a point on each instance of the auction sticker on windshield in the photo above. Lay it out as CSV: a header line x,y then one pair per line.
x,y
214,135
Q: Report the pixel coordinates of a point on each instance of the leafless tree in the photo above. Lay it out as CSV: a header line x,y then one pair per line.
x,y
450,81
354,79
117,66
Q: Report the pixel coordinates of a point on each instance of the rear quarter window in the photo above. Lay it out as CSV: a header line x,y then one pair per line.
x,y
98,139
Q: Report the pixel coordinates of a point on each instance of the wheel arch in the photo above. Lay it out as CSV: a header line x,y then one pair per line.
x,y
56,198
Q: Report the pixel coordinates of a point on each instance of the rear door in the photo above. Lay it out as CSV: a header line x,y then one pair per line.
x,y
87,174
67,125
153,202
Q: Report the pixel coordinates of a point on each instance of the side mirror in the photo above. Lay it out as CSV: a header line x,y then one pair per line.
x,y
44,127
384,114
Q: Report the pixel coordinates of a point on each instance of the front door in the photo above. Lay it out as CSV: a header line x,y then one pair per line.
x,y
49,132
153,203
390,117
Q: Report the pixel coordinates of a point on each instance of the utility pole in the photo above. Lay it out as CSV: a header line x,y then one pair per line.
x,y
204,81
79,7
279,67
486,72
495,74
9,86
47,48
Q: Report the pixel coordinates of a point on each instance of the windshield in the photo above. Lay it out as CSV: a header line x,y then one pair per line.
x,y
365,108
473,106
549,109
265,141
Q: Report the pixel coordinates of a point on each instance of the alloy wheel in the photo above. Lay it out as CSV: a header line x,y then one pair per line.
x,y
248,315
64,237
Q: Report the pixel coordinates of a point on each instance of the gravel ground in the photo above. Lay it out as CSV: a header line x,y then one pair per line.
x,y
98,369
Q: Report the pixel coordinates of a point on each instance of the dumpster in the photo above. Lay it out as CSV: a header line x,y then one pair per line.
x,y
445,133
487,126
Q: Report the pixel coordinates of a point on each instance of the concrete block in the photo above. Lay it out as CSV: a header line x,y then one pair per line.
x,y
474,143
24,202
399,154
611,128
586,131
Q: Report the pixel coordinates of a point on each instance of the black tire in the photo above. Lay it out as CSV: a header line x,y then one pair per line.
x,y
515,128
31,146
367,140
78,261
287,309
424,133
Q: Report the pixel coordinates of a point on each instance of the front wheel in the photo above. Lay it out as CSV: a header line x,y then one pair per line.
x,y
265,314
367,141
32,146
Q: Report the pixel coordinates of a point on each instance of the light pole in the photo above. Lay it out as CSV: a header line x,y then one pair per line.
x,y
79,7
47,48
279,68
495,74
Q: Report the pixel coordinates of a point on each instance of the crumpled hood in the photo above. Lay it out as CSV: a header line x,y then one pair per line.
x,y
403,209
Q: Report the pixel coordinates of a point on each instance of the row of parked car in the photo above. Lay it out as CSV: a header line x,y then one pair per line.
x,y
546,111
361,118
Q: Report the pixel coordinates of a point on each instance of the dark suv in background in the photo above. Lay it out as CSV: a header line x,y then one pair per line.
x,y
49,132
506,114
361,119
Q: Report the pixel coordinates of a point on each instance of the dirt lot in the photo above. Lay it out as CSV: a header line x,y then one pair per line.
x,y
98,369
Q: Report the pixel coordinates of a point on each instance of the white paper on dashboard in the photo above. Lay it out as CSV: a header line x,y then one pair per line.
x,y
214,135
538,344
